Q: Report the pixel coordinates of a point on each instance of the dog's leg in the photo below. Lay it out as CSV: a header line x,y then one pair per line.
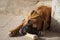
x,y
16,30
47,23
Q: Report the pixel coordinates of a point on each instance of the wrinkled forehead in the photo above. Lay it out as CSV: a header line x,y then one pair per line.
x,y
34,14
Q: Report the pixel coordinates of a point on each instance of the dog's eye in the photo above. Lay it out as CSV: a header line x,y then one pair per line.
x,y
30,21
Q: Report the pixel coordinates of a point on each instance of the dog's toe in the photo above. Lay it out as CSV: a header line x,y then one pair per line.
x,y
12,34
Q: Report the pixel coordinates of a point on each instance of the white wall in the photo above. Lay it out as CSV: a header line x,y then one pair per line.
x,y
55,22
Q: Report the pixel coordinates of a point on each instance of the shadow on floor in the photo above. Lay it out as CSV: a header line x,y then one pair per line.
x,y
54,30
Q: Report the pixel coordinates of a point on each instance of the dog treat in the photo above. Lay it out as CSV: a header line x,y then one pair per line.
x,y
34,37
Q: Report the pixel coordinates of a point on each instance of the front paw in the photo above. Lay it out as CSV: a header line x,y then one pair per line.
x,y
12,34
39,33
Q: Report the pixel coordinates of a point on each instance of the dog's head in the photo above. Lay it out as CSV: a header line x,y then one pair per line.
x,y
30,26
28,29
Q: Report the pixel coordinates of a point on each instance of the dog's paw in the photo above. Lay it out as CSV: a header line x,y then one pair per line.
x,y
12,34
39,33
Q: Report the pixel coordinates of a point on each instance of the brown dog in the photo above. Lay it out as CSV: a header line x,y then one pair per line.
x,y
39,18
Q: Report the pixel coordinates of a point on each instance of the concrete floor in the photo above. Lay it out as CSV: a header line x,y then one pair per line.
x,y
9,22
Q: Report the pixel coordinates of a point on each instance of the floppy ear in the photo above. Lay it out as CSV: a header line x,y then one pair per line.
x,y
33,12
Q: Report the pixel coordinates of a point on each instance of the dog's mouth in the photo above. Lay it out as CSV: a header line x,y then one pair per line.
x,y
28,28
25,29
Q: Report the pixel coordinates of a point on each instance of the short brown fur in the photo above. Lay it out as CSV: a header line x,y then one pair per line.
x,y
41,17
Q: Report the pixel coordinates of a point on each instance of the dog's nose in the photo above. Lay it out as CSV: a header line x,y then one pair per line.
x,y
30,21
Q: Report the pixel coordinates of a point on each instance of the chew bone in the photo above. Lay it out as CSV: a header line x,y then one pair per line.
x,y
34,37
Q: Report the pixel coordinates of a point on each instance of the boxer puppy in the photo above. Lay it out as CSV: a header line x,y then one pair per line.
x,y
39,20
